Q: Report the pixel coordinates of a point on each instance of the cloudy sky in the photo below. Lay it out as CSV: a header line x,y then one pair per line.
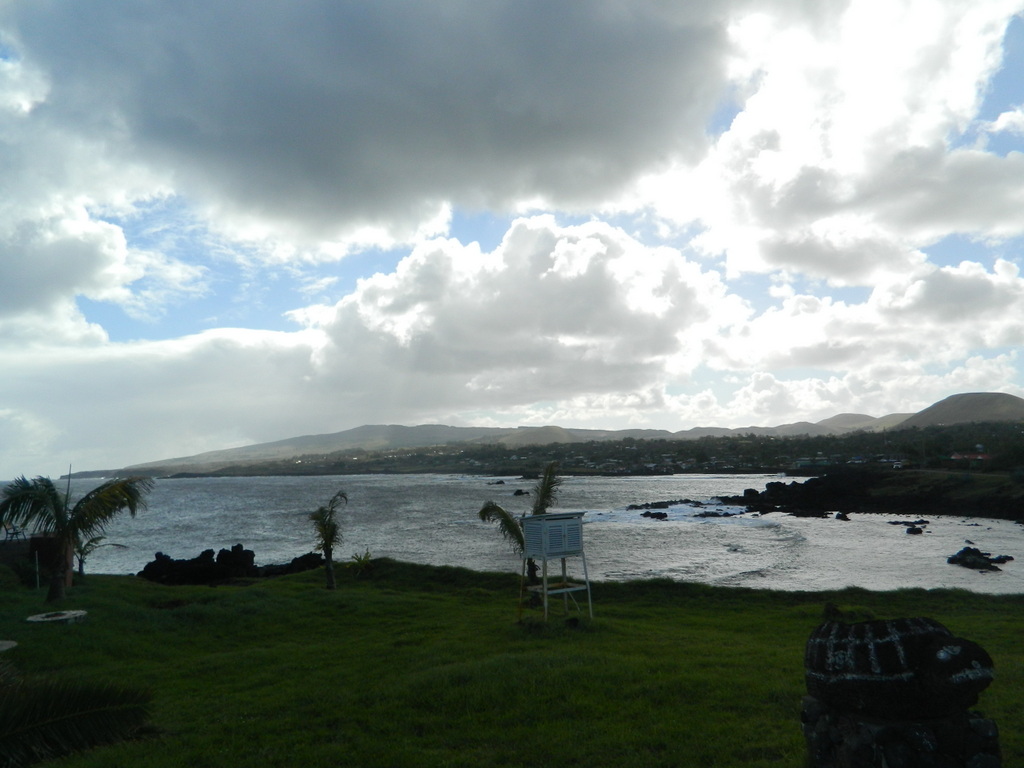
x,y
234,221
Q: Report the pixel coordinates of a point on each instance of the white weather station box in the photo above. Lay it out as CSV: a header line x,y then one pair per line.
x,y
556,536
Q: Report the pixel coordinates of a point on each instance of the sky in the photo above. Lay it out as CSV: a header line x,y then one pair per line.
x,y
236,221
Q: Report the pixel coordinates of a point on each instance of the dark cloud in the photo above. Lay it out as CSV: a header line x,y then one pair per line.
x,y
324,114
929,193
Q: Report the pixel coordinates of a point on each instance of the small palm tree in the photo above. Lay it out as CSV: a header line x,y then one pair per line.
x,y
328,532
85,548
545,494
39,504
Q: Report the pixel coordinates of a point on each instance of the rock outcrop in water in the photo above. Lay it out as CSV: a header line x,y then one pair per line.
x,y
972,557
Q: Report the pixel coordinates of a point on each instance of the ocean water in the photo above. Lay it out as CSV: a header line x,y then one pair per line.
x,y
433,519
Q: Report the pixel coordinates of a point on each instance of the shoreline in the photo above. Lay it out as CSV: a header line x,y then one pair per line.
x,y
899,492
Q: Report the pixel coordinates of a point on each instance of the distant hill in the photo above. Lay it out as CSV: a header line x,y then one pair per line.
x,y
371,437
522,436
967,408
970,407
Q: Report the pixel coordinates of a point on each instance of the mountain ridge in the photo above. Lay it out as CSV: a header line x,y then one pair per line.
x,y
960,408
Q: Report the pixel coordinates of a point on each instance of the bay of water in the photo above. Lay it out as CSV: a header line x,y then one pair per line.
x,y
432,519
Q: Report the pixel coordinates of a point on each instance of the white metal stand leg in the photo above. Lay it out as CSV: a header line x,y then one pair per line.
x,y
544,581
586,580
565,595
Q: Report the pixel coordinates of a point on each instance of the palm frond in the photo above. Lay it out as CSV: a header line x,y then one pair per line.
x,y
328,532
325,524
96,508
86,548
37,503
326,529
8,674
42,720
508,524
546,492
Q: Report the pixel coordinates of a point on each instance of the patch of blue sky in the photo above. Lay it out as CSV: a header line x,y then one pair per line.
x,y
234,287
1006,89
235,297
483,227
1005,93
232,299
756,291
1003,143
954,249
341,278
763,292
122,326
7,51
647,228
726,111
163,224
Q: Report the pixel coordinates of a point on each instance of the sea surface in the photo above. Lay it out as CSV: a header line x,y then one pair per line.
x,y
433,519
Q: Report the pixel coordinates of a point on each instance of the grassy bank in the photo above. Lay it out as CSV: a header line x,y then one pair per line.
x,y
422,666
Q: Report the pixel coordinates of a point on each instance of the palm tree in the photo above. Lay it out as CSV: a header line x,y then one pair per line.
x,y
545,494
85,548
328,533
39,504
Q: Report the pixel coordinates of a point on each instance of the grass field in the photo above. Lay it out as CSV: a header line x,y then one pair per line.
x,y
410,665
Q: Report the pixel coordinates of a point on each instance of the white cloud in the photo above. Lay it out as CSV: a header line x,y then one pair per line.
x,y
838,164
1011,122
117,404
552,312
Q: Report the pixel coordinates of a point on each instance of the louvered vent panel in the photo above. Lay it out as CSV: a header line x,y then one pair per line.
x,y
534,536
553,535
574,537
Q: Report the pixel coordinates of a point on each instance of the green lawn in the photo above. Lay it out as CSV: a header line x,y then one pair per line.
x,y
420,666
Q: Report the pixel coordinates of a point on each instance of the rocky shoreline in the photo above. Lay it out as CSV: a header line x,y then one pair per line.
x,y
915,492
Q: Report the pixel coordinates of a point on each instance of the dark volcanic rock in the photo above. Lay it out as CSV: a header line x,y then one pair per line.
x,y
238,562
661,504
655,515
235,563
307,562
839,490
199,570
974,558
874,489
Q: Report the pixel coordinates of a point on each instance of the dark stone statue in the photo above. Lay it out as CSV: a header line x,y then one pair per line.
x,y
896,694
899,668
